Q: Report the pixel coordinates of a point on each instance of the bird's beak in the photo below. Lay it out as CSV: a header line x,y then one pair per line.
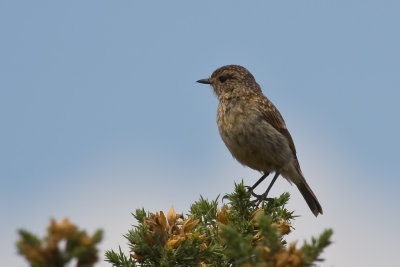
x,y
205,81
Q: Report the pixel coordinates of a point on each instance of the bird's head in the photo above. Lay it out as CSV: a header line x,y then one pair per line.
x,y
232,81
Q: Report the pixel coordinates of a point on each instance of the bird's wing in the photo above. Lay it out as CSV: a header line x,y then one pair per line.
x,y
274,118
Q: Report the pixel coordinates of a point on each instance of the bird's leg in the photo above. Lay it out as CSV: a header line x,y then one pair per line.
x,y
270,185
264,196
260,181
251,189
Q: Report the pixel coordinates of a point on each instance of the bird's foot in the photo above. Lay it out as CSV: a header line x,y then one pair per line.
x,y
225,197
259,198
251,190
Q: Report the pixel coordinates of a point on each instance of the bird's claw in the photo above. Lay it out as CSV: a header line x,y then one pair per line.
x,y
250,189
225,197
259,198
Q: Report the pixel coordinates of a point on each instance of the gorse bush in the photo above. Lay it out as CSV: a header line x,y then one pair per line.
x,y
239,233
64,243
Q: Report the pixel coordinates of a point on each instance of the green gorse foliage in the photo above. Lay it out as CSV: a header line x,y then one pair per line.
x,y
237,233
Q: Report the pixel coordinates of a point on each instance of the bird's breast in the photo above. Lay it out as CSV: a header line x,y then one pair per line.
x,y
250,138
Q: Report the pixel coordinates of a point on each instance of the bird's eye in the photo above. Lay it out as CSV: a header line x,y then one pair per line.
x,y
222,79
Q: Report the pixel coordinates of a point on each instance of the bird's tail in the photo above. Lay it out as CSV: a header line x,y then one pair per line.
x,y
306,191
309,197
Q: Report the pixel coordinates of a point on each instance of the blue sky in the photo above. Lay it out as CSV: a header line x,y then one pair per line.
x,y
100,113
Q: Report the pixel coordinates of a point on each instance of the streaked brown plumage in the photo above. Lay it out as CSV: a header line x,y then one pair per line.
x,y
254,130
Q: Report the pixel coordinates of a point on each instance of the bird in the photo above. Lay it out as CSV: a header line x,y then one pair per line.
x,y
254,131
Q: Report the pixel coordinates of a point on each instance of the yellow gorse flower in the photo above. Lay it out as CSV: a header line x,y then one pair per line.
x,y
172,228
